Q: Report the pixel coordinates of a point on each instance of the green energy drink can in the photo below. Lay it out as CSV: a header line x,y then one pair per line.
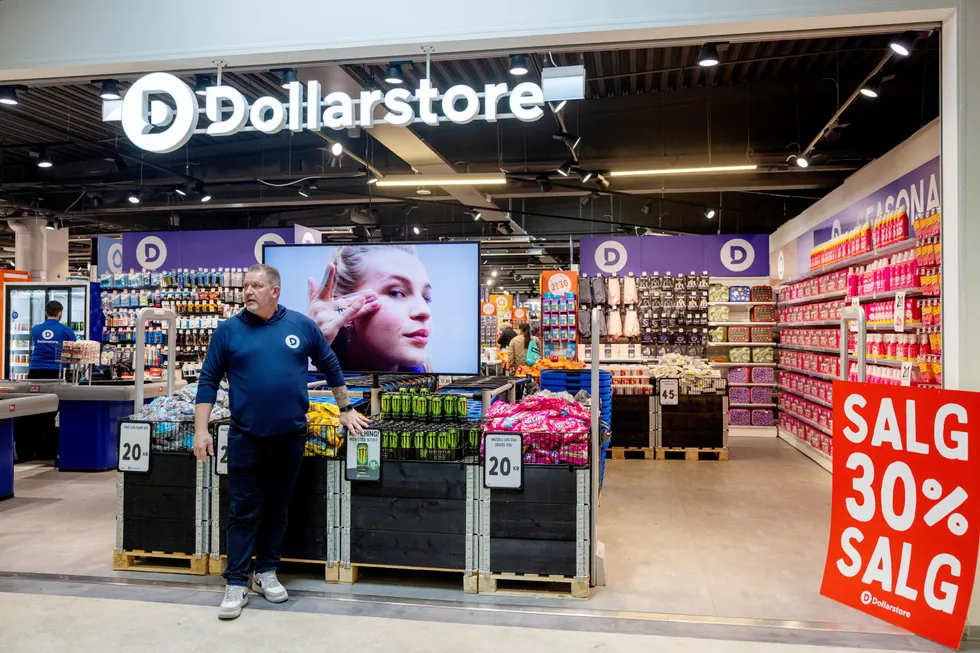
x,y
462,407
406,440
362,457
443,439
406,407
418,439
430,439
435,407
452,436
395,407
385,405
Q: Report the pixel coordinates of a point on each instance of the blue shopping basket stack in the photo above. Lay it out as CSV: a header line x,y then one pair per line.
x,y
572,381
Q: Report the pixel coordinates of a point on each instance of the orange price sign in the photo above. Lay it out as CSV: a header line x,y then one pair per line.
x,y
488,309
520,313
905,514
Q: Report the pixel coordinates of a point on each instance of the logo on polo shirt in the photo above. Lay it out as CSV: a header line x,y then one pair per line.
x,y
292,341
47,334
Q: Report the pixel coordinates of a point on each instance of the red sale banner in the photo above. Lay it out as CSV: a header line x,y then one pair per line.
x,y
906,506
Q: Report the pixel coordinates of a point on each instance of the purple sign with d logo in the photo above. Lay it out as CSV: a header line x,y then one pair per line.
x,y
610,255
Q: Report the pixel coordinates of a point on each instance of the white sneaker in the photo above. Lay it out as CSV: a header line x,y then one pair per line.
x,y
236,598
269,586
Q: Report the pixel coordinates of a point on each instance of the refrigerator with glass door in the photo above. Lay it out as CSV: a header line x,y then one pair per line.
x,y
24,306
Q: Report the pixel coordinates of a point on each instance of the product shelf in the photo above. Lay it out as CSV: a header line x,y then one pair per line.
x,y
807,325
894,248
816,375
839,294
717,364
887,294
807,449
772,324
822,429
820,350
752,385
887,362
741,344
825,404
752,406
747,304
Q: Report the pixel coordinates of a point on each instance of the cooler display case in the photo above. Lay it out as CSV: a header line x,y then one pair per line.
x,y
24,308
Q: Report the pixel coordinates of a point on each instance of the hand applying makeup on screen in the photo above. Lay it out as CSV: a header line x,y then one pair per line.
x,y
331,313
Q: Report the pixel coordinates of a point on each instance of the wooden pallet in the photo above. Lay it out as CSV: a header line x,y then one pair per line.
x,y
534,585
630,453
160,562
692,453
331,574
349,575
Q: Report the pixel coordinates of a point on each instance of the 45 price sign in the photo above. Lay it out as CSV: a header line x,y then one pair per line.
x,y
905,514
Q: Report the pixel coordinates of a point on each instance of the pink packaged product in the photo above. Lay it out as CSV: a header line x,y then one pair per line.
x,y
762,417
761,395
738,395
761,375
739,417
738,375
502,409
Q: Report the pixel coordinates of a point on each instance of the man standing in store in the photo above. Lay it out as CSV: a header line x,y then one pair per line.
x,y
265,352
47,338
506,335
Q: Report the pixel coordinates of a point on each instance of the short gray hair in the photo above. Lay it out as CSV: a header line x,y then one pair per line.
x,y
271,274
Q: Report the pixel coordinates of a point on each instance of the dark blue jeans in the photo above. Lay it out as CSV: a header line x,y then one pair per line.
x,y
262,473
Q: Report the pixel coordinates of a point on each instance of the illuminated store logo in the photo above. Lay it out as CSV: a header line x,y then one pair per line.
x,y
151,253
610,256
159,112
737,255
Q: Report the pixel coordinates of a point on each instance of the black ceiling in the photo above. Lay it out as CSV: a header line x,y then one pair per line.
x,y
643,107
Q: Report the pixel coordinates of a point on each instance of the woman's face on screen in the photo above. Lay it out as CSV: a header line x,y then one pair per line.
x,y
397,334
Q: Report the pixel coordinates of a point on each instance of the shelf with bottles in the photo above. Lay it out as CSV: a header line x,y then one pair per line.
x,y
182,279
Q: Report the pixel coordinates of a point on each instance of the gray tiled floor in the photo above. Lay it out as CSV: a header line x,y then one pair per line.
x,y
744,538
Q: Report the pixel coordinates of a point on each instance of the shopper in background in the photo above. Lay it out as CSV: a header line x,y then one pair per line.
x,y
506,335
265,351
47,338
518,348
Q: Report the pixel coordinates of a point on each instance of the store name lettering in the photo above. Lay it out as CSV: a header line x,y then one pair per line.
x,y
912,199
155,125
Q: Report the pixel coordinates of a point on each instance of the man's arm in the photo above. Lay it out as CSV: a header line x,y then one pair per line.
x,y
326,361
70,334
212,372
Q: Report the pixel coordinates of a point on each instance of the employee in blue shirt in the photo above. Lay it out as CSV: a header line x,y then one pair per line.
x,y
265,352
47,338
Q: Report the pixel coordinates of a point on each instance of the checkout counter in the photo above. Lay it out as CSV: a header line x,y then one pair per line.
x,y
91,410
11,406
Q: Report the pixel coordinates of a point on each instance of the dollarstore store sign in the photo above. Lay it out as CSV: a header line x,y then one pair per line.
x,y
160,112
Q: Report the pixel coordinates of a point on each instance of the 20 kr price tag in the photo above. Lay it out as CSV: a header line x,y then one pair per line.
x,y
221,450
503,466
899,313
906,373
134,447
669,390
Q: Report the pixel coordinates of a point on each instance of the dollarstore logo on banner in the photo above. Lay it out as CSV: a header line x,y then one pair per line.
x,y
159,112
737,255
151,253
610,256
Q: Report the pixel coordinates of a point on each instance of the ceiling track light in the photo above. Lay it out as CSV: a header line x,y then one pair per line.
x,y
647,208
708,56
135,196
571,141
477,215
288,77
545,184
518,64
416,230
903,43
182,190
110,90
304,190
43,160
709,213
556,108
336,149
584,175
422,190
202,81
802,161
565,168
204,195
681,171
8,95
870,90
588,199
394,74
601,181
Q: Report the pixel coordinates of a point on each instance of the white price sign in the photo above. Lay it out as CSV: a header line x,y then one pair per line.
x,y
134,447
221,450
900,311
906,373
669,391
503,467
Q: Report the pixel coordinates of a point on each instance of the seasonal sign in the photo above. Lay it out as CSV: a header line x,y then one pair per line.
x,y
906,506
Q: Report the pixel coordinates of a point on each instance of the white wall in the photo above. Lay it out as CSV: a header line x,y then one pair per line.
x,y
88,38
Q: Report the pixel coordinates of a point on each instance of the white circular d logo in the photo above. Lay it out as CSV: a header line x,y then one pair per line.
x,y
47,334
308,238
292,341
115,257
141,114
266,238
610,256
737,255
151,253
780,265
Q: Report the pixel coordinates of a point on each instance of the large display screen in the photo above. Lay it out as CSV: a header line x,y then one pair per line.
x,y
388,307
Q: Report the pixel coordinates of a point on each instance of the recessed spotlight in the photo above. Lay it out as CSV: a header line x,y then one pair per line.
x,y
394,74
336,149
708,56
422,190
49,226
8,95
493,273
201,83
903,43
518,64
110,90
289,76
